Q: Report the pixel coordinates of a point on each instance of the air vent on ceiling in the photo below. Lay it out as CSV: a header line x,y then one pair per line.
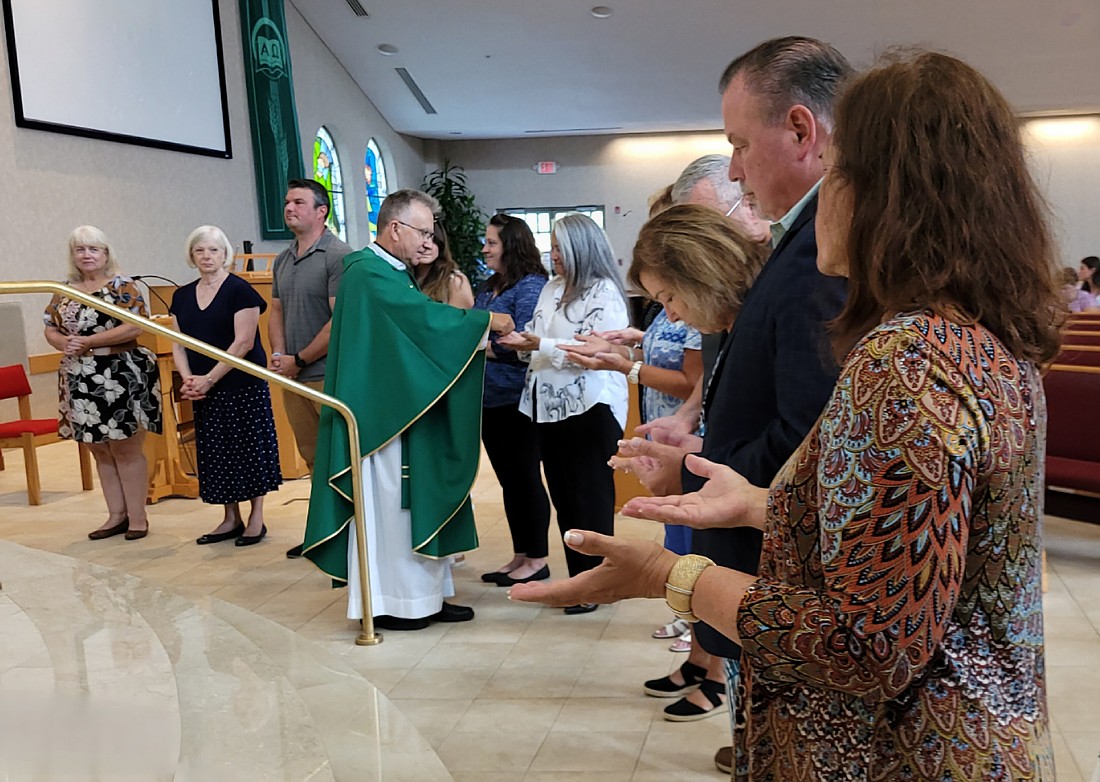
x,y
357,9
414,88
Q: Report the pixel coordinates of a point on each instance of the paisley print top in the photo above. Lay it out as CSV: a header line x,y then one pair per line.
x,y
896,630
105,397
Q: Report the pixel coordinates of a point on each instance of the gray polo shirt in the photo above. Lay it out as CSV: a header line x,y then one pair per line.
x,y
303,287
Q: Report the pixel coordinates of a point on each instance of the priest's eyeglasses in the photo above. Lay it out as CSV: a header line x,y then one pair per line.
x,y
425,235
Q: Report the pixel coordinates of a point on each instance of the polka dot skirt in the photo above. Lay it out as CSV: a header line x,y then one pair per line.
x,y
238,454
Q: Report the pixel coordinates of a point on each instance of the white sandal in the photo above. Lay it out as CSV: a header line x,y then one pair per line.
x,y
682,644
673,629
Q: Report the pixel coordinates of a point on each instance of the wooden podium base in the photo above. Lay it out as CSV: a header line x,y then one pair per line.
x,y
167,476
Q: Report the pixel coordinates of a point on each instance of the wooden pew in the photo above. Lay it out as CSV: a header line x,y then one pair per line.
x,y
1073,428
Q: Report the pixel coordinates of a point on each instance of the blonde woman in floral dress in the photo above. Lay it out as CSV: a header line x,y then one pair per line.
x,y
109,394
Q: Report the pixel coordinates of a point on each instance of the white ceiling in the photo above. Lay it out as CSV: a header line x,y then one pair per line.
x,y
517,68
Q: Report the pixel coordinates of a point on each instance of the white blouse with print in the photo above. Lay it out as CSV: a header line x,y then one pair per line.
x,y
559,387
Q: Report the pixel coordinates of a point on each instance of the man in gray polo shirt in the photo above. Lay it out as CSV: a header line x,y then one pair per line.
x,y
303,292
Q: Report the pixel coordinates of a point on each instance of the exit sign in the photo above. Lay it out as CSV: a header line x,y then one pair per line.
x,y
546,167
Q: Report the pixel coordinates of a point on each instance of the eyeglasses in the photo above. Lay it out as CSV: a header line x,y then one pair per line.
x,y
736,204
425,235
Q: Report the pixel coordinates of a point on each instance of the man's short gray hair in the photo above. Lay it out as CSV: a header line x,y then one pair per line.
x,y
791,71
397,204
715,168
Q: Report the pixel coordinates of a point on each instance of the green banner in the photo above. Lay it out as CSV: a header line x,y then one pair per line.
x,y
276,145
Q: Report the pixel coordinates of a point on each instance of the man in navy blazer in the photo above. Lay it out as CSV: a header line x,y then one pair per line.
x,y
774,373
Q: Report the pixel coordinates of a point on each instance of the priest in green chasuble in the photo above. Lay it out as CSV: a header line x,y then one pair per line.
x,y
412,371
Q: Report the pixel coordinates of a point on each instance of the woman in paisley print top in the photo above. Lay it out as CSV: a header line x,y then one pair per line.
x,y
895,630
108,385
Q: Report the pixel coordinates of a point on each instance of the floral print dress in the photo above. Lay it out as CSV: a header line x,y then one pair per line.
x,y
896,631
107,397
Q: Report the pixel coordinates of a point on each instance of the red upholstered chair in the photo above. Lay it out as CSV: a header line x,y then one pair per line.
x,y
30,433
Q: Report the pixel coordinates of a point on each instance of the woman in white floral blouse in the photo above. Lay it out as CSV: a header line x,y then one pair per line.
x,y
108,387
579,413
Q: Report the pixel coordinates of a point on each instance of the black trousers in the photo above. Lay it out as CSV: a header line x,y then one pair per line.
x,y
582,486
513,449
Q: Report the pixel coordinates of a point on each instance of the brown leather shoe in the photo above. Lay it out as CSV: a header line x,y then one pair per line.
x,y
723,760
110,532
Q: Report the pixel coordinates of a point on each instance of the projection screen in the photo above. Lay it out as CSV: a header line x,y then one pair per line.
x,y
146,72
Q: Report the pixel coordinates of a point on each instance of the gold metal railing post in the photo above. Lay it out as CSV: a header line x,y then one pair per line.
x,y
367,636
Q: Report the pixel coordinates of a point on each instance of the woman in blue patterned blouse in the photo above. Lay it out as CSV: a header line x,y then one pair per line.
x,y
509,436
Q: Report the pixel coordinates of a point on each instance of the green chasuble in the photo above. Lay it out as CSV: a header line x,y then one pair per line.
x,y
408,367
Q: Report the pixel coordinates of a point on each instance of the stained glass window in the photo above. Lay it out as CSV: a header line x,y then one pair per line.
x,y
326,170
374,171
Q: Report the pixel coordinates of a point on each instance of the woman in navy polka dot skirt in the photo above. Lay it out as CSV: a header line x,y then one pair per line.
x,y
238,454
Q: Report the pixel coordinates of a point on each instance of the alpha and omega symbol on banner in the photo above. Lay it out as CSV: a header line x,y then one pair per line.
x,y
268,49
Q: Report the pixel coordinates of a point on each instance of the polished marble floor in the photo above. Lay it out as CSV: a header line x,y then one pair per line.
x,y
159,659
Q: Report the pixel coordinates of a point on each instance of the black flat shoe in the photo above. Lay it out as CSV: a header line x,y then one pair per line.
x,y
693,676
452,613
136,534
540,575
296,552
684,710
494,577
110,532
251,540
218,537
387,622
580,608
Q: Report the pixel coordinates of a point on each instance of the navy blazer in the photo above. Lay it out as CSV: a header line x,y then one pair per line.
x,y
772,379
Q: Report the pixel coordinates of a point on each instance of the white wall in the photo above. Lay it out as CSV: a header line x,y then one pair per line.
x,y
624,170
326,95
1065,156
147,200
616,171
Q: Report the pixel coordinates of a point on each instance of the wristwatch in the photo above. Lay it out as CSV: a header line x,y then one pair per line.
x,y
300,362
632,376
680,584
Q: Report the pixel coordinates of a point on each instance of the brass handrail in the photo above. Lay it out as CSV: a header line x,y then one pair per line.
x,y
367,636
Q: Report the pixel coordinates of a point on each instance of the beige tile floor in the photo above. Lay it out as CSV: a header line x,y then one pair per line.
x,y
268,683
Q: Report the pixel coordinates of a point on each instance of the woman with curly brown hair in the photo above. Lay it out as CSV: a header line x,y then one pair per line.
x,y
895,629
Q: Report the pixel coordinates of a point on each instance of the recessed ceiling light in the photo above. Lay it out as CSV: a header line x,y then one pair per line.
x,y
387,49
601,11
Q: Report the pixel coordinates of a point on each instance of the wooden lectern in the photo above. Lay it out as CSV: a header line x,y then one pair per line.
x,y
170,473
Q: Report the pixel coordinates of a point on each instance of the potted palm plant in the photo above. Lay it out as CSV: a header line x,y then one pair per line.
x,y
463,220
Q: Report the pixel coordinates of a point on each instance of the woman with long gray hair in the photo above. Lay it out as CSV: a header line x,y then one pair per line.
x,y
579,413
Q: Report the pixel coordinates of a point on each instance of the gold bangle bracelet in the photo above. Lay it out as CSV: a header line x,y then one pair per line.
x,y
680,584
